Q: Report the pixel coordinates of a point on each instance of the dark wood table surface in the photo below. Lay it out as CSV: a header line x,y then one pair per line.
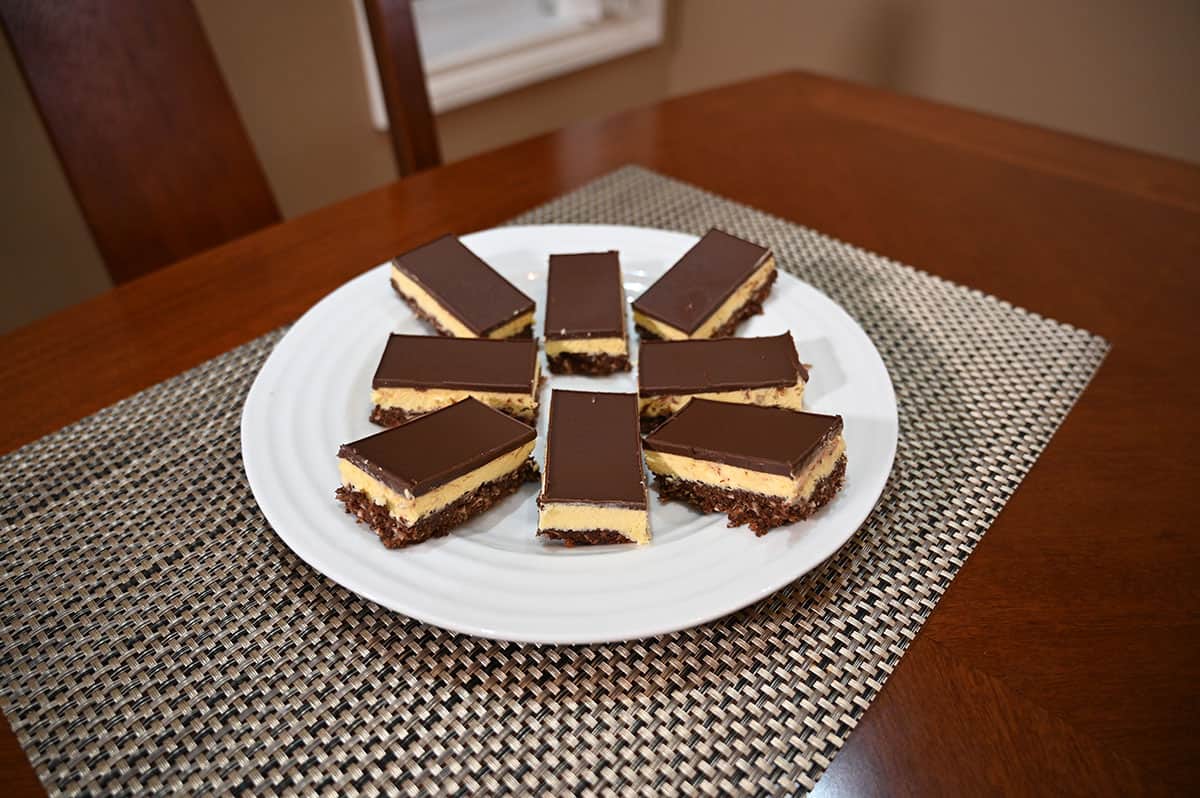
x,y
1066,654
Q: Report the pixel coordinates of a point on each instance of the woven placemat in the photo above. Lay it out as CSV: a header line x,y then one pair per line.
x,y
156,635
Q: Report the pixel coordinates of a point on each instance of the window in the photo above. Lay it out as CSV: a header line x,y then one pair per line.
x,y
475,49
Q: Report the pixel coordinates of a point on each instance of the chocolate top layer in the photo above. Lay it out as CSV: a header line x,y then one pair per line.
x,y
463,284
584,297
466,364
432,450
593,451
717,364
701,280
768,439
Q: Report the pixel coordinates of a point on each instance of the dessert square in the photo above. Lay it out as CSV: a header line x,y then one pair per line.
x,y
756,371
585,315
418,374
594,486
717,284
424,478
765,466
450,287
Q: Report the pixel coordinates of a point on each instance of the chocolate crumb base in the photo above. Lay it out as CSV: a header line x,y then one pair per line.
x,y
762,513
584,537
432,322
396,535
395,416
752,307
419,313
590,365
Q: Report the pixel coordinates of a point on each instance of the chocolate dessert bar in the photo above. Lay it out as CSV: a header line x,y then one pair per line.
x,y
585,315
594,488
753,371
765,466
418,374
716,285
454,291
424,478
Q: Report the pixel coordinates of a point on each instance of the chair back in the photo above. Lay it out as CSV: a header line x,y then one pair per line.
x,y
143,124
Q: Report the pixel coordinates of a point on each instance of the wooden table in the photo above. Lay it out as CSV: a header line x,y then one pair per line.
x,y
1065,655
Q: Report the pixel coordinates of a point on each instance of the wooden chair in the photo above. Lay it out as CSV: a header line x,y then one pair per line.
x,y
143,124
147,132
410,118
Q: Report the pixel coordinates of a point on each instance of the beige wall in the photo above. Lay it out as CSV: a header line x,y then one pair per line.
x,y
1110,69
295,72
1120,71
47,257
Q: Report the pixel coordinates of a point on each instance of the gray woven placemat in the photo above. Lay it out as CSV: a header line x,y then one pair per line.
x,y
156,635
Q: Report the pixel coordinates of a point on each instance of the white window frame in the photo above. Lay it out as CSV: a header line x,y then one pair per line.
x,y
462,78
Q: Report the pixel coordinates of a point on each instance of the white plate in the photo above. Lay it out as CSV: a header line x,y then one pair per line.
x,y
493,577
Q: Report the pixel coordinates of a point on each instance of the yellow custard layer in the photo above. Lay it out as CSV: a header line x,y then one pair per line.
x,y
416,400
731,477
408,508
617,347
721,315
425,301
633,524
791,397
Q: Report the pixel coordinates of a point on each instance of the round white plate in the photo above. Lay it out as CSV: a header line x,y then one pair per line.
x,y
493,577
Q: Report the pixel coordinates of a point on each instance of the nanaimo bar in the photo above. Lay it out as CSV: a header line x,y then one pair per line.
x,y
424,478
585,315
762,466
450,287
753,371
594,485
418,374
717,284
